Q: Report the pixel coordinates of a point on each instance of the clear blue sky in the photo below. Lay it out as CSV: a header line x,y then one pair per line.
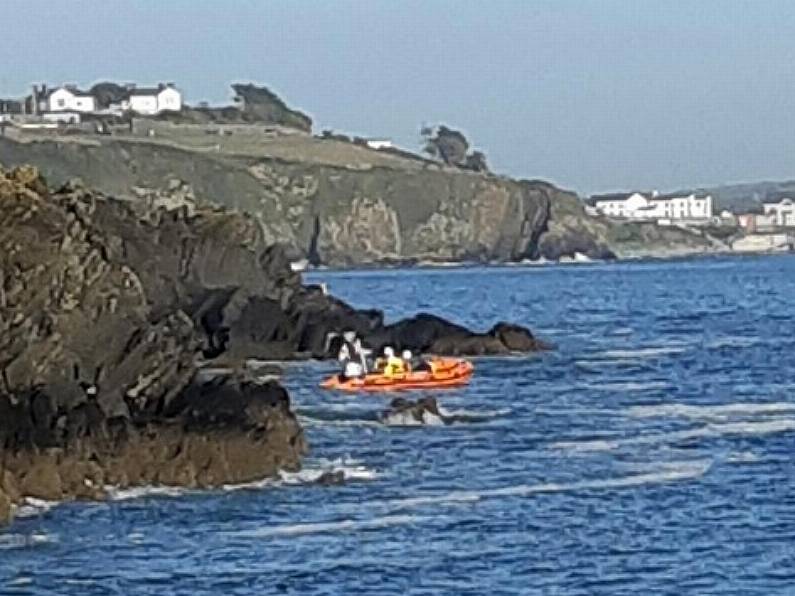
x,y
593,95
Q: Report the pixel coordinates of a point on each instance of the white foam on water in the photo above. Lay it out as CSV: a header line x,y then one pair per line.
x,y
732,342
663,473
308,476
707,431
345,525
474,414
408,419
628,386
351,469
15,541
719,412
31,507
641,353
310,421
622,331
742,457
138,492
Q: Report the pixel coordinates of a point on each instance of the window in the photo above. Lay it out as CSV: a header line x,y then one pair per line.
x,y
61,103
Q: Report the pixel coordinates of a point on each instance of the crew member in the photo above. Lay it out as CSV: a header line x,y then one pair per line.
x,y
393,365
351,356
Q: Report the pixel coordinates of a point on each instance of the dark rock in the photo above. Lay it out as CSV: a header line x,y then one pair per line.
x,y
517,338
405,412
43,481
331,478
103,312
5,508
432,334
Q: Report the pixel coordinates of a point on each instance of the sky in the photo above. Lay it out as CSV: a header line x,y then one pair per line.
x,y
594,96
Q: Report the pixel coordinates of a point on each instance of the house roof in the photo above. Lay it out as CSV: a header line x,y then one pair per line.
x,y
150,90
73,90
145,91
617,196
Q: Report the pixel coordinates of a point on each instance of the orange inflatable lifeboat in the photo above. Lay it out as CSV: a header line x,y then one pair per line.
x,y
444,372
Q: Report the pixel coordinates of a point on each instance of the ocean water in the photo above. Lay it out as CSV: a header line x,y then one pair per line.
x,y
652,452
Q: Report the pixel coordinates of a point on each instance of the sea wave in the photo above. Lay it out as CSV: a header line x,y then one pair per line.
x,y
137,492
31,507
732,342
352,471
408,419
628,386
11,541
641,353
750,428
664,472
337,421
718,412
464,414
344,525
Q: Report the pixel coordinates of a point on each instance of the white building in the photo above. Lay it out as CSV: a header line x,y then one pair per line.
x,y
67,99
776,242
781,211
149,101
640,206
379,143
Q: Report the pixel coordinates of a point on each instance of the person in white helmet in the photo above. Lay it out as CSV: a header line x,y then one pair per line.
x,y
352,356
407,363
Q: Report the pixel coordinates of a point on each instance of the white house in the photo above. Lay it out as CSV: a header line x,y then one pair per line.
x,y
654,207
781,211
67,99
379,143
153,100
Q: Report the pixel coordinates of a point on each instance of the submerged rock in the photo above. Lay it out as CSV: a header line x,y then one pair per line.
x,y
405,412
331,478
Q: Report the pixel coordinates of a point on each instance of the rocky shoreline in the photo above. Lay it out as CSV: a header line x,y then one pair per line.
x,y
108,310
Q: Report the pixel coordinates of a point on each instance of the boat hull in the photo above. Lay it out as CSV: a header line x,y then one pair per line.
x,y
444,373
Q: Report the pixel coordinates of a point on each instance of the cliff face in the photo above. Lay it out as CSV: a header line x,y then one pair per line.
x,y
340,205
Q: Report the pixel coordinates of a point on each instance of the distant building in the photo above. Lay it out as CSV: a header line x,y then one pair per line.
x,y
781,210
747,221
67,98
640,206
379,143
11,106
146,101
149,101
772,242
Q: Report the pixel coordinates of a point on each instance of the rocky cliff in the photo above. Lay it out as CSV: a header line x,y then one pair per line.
x,y
338,204
108,309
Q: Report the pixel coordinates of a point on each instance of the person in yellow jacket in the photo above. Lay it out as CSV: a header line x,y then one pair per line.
x,y
393,366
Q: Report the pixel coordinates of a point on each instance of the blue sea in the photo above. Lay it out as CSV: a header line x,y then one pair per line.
x,y
650,453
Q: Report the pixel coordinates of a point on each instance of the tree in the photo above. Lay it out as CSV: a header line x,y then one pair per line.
x,y
444,143
107,93
452,147
476,161
260,104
